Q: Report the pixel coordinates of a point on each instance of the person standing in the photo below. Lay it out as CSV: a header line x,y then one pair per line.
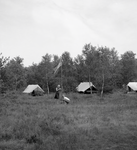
x,y
57,94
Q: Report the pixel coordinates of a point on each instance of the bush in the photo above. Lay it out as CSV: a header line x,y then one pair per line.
x,y
11,95
107,89
37,93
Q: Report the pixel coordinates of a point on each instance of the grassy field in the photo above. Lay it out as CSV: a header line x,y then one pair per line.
x,y
87,123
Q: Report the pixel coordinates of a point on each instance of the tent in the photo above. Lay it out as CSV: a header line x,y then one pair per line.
x,y
132,87
85,87
34,90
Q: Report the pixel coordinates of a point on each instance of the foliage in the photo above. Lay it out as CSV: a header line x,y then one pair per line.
x,y
80,69
68,73
45,72
100,65
3,62
128,67
15,74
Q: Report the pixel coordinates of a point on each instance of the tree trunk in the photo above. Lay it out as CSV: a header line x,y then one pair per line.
x,y
47,83
90,84
0,82
48,86
102,90
61,82
16,83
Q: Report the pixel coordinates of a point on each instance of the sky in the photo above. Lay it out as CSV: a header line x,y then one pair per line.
x,y
32,28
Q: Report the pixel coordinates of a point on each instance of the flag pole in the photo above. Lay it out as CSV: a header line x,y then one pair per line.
x,y
55,71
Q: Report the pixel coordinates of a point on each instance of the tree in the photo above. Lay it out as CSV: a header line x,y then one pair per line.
x,y
15,73
104,61
31,74
101,67
3,62
115,69
80,69
90,54
45,71
109,69
68,73
128,67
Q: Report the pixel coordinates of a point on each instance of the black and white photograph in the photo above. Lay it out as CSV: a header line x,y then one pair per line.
x,y
68,75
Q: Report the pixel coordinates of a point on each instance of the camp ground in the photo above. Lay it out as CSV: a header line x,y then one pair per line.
x,y
34,90
86,87
132,87
32,117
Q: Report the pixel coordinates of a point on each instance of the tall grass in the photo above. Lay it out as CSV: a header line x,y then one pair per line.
x,y
39,123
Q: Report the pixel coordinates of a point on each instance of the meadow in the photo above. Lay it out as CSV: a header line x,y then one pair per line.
x,y
87,123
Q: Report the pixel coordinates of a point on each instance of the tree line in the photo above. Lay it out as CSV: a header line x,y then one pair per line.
x,y
100,65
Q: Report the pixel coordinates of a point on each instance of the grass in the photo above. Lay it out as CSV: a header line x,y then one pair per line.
x,y
88,122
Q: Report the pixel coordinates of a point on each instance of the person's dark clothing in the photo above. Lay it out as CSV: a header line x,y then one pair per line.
x,y
58,89
57,95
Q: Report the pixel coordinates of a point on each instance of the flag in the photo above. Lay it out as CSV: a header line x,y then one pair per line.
x,y
58,66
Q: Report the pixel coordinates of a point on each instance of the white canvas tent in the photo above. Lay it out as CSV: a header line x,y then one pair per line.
x,y
85,87
33,89
132,86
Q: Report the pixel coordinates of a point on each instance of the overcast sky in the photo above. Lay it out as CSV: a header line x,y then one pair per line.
x,y
32,28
